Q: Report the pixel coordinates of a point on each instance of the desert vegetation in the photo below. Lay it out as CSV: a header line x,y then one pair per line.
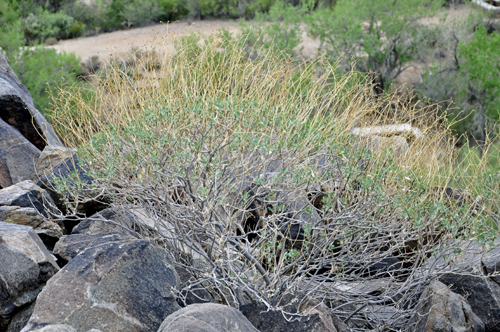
x,y
241,157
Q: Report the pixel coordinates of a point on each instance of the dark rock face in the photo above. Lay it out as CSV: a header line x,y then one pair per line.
x,y
100,222
21,318
5,179
69,246
491,264
207,317
125,285
17,110
482,294
317,316
18,153
25,266
442,310
70,171
27,194
197,294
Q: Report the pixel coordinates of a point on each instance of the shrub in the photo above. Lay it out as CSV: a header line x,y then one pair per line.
x,y
172,9
212,139
37,28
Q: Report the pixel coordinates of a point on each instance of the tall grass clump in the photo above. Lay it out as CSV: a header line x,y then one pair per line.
x,y
246,171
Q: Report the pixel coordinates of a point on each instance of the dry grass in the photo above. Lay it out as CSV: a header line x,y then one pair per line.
x,y
247,173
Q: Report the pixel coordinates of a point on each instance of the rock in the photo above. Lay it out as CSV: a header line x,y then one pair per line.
x,y
27,194
74,176
106,221
55,328
18,153
127,285
402,130
20,318
482,294
303,314
71,245
5,179
191,295
439,309
491,263
49,231
207,317
25,266
50,158
17,109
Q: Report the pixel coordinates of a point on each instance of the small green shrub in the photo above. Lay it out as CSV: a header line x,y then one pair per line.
x,y
9,12
37,28
172,9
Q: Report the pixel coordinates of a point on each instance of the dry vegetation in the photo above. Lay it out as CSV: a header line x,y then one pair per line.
x,y
245,171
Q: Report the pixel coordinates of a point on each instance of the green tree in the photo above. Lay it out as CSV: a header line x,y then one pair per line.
x,y
378,35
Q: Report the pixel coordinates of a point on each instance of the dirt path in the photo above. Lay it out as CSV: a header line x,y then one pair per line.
x,y
117,43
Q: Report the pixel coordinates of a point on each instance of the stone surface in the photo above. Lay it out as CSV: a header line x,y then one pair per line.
x,y
20,318
191,295
303,314
69,246
27,194
125,285
491,264
55,328
25,266
207,317
17,152
5,179
49,231
17,109
70,172
482,294
440,309
50,158
106,221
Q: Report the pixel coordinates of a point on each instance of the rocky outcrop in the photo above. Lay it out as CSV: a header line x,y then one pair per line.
x,y
19,154
207,317
27,194
302,314
25,266
481,292
127,285
440,309
18,111
5,179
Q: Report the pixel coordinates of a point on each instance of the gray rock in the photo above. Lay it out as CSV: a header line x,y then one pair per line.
x,y
5,179
126,285
25,266
482,294
27,194
491,264
303,314
69,246
55,328
106,221
207,317
191,295
49,231
74,176
50,158
440,309
18,110
21,318
17,152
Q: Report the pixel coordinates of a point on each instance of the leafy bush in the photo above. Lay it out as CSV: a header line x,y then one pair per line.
x,y
9,12
214,139
172,9
37,28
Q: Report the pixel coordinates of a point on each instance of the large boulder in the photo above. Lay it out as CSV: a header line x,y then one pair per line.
x,y
439,309
69,246
127,285
17,110
50,158
481,292
302,314
25,266
19,154
108,220
207,317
